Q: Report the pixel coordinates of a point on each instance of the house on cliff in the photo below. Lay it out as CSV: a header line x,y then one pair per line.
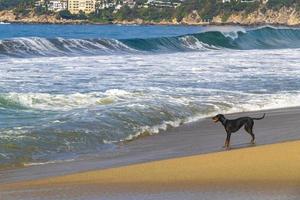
x,y
246,1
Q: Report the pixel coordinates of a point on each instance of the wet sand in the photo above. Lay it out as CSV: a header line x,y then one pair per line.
x,y
261,172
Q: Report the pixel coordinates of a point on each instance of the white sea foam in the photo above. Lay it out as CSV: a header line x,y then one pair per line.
x,y
39,45
228,31
80,44
45,101
193,43
43,47
148,130
117,92
47,162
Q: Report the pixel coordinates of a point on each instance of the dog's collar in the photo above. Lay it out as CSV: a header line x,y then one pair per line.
x,y
224,120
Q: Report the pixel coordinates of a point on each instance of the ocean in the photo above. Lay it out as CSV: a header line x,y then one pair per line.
x,y
70,90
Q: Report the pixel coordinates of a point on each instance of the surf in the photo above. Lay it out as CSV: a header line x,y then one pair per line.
x,y
211,39
55,107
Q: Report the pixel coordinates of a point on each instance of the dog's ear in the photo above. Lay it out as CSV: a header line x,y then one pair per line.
x,y
219,116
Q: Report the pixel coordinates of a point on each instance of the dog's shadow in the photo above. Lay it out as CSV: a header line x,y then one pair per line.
x,y
241,146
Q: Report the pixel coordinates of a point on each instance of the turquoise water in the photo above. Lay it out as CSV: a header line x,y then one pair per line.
x,y
67,90
93,31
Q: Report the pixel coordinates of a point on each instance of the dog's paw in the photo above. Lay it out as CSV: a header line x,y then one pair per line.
x,y
226,147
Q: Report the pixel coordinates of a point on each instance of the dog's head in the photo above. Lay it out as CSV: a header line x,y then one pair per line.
x,y
218,117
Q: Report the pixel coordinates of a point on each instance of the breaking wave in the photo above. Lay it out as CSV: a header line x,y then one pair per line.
x,y
65,102
91,126
239,39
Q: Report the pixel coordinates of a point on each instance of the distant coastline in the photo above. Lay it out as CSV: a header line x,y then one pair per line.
x,y
284,17
86,22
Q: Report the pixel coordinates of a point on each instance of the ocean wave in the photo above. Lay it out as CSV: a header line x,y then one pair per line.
x,y
46,101
84,130
266,37
238,38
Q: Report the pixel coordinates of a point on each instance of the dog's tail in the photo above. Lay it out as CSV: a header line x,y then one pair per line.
x,y
260,117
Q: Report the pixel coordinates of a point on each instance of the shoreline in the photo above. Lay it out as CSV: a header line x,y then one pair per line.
x,y
200,137
263,171
131,139
150,24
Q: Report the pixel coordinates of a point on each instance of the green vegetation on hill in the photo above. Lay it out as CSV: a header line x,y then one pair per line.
x,y
65,14
148,14
12,4
20,7
277,4
206,9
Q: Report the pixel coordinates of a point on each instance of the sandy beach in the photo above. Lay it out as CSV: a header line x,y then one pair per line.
x,y
177,164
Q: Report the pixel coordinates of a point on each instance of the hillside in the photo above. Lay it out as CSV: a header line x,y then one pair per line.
x,y
194,12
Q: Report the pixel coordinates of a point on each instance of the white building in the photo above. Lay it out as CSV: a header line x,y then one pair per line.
x,y
130,3
57,5
102,4
40,3
246,1
162,3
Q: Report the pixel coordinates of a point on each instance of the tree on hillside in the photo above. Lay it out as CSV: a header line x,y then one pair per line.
x,y
10,4
277,4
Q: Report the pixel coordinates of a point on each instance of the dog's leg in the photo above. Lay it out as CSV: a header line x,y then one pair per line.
x,y
249,129
225,145
227,141
253,137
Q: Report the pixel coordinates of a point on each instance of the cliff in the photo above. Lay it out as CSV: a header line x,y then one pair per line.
x,y
9,16
285,16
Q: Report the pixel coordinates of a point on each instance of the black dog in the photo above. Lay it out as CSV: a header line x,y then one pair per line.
x,y
234,125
